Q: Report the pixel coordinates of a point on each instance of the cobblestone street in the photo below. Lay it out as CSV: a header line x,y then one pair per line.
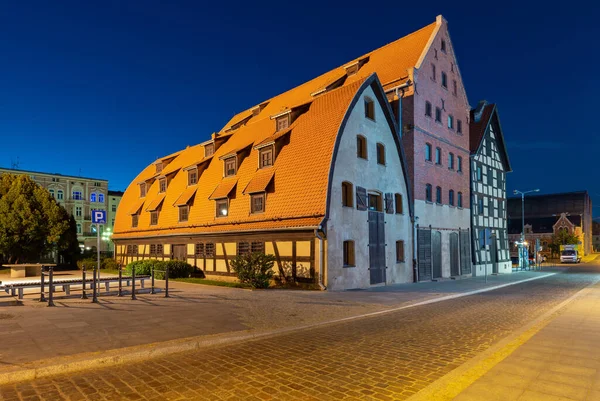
x,y
387,357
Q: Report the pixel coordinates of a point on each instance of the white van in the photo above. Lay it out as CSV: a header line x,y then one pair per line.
x,y
569,255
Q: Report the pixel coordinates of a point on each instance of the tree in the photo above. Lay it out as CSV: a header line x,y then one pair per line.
x,y
31,222
563,237
68,245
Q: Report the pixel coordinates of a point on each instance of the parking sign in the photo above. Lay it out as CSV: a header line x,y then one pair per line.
x,y
99,216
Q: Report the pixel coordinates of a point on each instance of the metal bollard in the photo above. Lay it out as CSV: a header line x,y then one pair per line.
x,y
83,295
167,282
152,281
120,294
51,286
133,283
95,291
42,296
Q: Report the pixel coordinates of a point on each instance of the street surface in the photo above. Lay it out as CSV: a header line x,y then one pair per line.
x,y
391,356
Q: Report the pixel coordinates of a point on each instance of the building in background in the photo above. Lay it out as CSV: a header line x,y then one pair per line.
x,y
79,196
546,213
114,198
489,165
596,243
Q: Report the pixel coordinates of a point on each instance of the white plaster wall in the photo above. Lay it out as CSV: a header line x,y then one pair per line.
x,y
443,216
347,223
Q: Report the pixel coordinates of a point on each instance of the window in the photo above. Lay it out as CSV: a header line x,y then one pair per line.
x,y
450,122
428,109
433,74
93,197
184,212
438,115
199,249
451,161
243,248
154,218
114,208
428,192
459,200
257,203
266,157
129,249
54,179
444,80
438,195
162,185
399,251
443,45
134,220
380,153
459,167
480,206
369,109
52,193
209,149
349,254
77,195
283,122
97,184
78,228
193,176
101,198
222,208
257,246
230,166
156,249
428,152
78,211
142,190
209,250
451,197
478,173
459,126
159,168
438,156
59,194
454,87
375,202
361,146
481,239
347,194
398,201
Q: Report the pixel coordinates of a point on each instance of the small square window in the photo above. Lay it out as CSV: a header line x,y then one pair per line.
x,y
266,157
283,122
257,203
348,249
209,149
369,109
193,176
222,207
230,166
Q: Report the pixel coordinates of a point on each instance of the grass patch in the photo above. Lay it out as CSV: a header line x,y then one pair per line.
x,y
217,283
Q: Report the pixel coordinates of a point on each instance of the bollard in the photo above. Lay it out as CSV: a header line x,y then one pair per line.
x,y
95,291
133,283
83,295
152,281
42,296
120,294
167,282
50,286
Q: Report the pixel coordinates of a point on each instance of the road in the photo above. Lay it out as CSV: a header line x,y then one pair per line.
x,y
388,357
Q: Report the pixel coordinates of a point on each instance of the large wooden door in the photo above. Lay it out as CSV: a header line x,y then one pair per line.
x,y
376,247
179,252
436,253
454,255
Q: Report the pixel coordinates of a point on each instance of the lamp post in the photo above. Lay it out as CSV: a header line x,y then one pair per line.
x,y
106,234
522,193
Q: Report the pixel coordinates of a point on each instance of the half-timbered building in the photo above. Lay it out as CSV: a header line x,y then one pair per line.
x,y
315,176
489,166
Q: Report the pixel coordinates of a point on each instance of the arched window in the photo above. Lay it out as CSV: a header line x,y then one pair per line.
x,y
361,146
438,195
51,192
398,201
428,195
459,200
451,197
428,152
380,153
347,194
93,197
101,198
60,194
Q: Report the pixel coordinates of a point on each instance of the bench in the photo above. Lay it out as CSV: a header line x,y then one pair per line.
x,y
16,288
26,270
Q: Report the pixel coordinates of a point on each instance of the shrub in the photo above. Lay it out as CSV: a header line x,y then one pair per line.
x,y
109,263
179,269
254,269
89,263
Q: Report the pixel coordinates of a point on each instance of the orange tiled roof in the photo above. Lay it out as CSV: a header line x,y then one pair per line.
x,y
223,189
156,202
302,164
137,205
260,181
185,197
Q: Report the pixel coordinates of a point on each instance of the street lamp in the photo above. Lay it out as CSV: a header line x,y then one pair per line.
x,y
106,234
517,192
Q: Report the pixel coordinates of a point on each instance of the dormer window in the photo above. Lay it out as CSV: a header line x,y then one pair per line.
x,y
222,207
266,157
257,203
352,69
193,176
283,122
159,168
134,220
230,166
209,149
142,189
162,185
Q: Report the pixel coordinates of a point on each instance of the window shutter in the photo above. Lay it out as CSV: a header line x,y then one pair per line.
x,y
361,198
389,203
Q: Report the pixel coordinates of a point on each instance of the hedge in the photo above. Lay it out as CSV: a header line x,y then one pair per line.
x,y
177,269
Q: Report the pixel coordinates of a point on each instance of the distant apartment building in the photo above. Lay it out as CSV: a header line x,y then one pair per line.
x,y
79,196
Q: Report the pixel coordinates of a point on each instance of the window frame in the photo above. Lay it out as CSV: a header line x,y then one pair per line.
x,y
227,162
209,149
398,203
438,115
428,152
266,151
450,161
444,80
100,198
282,122
361,147
369,108
347,194
438,156
428,193
154,218
217,209
143,190
135,219
256,196
183,208
348,254
93,197
192,173
161,182
60,195
380,154
428,109
451,197
379,200
438,195
459,200
450,122
77,195
400,254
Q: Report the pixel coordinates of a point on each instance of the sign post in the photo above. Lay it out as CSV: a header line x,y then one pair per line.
x,y
98,217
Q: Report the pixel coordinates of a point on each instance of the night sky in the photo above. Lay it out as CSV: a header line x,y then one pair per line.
x,y
103,88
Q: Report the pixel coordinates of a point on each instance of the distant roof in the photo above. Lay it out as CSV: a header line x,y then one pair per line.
x,y
14,171
546,205
115,193
482,117
539,225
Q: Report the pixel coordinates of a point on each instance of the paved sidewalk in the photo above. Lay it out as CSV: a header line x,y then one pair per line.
x,y
560,362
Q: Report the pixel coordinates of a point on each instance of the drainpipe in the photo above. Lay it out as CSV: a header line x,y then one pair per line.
x,y
321,258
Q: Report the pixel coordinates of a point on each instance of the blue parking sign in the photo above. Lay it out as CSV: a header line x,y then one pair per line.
x,y
99,216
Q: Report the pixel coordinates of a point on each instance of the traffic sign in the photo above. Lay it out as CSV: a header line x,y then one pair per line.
x,y
99,216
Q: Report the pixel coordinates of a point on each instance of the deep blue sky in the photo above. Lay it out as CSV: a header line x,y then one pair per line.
x,y
105,87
